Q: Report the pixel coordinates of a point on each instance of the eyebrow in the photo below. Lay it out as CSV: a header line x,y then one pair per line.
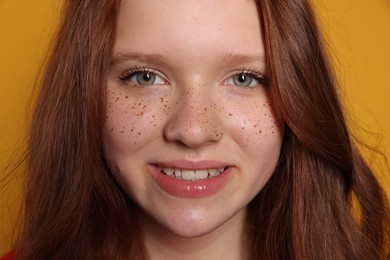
x,y
142,57
226,58
230,57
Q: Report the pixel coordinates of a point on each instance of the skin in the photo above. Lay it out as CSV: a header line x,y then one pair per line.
x,y
194,111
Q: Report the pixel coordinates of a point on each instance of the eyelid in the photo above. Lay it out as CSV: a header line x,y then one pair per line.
x,y
128,73
256,73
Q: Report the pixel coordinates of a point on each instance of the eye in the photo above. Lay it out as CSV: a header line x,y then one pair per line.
x,y
246,79
142,77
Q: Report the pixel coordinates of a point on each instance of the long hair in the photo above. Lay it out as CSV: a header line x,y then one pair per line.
x,y
306,210
74,209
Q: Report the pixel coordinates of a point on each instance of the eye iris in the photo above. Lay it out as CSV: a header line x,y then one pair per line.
x,y
146,78
242,80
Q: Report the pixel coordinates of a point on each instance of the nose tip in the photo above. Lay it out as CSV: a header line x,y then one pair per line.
x,y
193,126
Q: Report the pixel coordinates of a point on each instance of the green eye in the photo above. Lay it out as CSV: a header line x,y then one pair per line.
x,y
144,78
247,79
243,80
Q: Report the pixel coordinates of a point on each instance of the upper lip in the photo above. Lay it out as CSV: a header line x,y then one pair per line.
x,y
192,165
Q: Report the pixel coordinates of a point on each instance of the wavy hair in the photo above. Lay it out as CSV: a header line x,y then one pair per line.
x,y
74,209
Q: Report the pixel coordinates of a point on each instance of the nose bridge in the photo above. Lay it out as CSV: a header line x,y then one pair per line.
x,y
194,122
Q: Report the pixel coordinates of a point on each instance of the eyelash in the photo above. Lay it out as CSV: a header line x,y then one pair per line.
x,y
254,73
132,71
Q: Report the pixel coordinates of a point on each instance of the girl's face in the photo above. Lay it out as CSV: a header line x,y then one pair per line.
x,y
190,133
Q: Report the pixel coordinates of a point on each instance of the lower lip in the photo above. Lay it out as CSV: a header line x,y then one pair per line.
x,y
190,189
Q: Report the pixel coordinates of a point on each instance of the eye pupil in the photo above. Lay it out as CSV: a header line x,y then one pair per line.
x,y
146,78
242,80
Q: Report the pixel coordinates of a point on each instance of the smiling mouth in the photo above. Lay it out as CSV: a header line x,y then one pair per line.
x,y
192,175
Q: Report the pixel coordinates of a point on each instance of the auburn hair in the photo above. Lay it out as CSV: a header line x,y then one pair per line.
x,y
74,209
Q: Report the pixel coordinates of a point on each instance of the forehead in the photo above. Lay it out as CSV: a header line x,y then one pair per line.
x,y
182,25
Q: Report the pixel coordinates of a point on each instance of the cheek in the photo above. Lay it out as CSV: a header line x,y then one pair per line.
x,y
130,122
256,124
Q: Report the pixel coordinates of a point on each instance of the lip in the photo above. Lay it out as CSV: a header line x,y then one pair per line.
x,y
192,165
190,189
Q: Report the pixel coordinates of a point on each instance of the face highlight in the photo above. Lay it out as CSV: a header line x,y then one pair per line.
x,y
190,132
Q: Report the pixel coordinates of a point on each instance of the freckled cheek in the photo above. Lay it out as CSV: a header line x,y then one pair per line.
x,y
131,121
255,124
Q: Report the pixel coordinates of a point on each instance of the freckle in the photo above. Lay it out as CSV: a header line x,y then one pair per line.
x,y
243,128
260,131
120,94
112,129
139,104
125,112
144,107
122,132
132,129
139,133
127,97
205,109
230,114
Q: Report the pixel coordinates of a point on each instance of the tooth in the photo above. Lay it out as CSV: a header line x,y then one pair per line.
x,y
177,173
191,174
168,171
213,172
187,175
201,174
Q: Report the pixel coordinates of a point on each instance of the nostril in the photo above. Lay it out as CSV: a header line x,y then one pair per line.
x,y
192,133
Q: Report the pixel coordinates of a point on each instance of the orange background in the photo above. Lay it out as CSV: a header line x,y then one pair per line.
x,y
357,31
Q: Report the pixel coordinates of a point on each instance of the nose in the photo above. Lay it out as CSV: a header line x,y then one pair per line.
x,y
194,122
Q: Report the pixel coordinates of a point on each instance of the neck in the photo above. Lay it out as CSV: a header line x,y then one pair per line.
x,y
229,241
